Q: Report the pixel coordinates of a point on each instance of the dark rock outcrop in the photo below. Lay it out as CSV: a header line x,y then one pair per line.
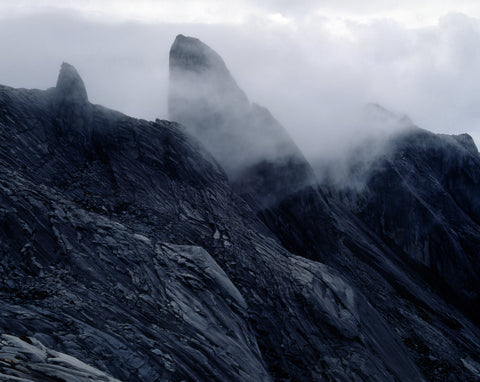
x,y
70,87
423,199
73,112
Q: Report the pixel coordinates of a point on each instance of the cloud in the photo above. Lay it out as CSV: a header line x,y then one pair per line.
x,y
179,11
314,73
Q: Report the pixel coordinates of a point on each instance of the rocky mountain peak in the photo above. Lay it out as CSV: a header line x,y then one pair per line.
x,y
125,254
72,110
467,142
256,152
190,54
198,73
70,86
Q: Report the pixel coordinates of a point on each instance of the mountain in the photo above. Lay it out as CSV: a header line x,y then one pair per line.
x,y
258,155
124,246
422,197
323,221
130,250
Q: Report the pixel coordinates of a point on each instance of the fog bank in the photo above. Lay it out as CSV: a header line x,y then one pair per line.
x,y
315,75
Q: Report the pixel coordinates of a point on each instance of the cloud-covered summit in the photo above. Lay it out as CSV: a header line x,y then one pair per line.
x,y
244,137
313,73
70,86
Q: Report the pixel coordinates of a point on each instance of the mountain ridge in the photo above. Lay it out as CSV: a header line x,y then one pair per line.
x,y
127,246
310,222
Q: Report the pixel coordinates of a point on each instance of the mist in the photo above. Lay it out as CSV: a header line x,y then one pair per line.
x,y
315,75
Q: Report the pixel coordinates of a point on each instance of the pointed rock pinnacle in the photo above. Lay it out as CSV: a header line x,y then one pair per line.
x,y
70,87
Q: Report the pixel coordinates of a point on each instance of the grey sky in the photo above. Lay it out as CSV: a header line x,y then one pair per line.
x,y
313,64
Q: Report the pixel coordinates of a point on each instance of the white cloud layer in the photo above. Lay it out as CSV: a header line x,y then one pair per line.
x,y
411,12
312,67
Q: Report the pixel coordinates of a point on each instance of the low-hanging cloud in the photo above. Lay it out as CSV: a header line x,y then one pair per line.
x,y
315,76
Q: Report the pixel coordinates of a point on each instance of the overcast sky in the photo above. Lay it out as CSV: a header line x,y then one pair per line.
x,y
312,63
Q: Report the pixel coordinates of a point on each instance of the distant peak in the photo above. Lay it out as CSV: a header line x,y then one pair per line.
x,y
191,54
182,38
70,86
378,113
467,142
186,43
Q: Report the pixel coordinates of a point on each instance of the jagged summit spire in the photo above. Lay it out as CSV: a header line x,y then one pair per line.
x,y
190,54
256,152
71,107
70,86
197,69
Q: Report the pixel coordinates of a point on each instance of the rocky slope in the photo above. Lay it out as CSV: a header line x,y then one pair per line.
x,y
26,359
329,224
128,252
422,197
124,247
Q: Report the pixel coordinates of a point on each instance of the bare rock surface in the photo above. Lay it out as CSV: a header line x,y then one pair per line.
x,y
137,251
402,230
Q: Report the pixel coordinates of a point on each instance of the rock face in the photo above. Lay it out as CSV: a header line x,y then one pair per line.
x,y
336,226
423,198
257,154
73,113
70,87
127,252
26,359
